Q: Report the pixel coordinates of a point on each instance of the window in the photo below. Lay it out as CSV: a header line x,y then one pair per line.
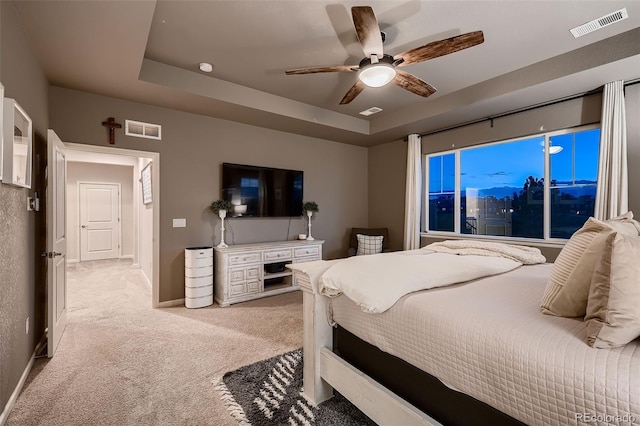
x,y
501,188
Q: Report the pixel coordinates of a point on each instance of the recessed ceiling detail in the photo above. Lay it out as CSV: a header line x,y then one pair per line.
x,y
135,51
599,23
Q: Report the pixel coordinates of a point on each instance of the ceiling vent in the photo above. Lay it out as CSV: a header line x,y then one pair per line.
x,y
370,111
602,22
142,130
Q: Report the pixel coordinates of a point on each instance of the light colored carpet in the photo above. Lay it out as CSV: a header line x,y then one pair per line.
x,y
120,362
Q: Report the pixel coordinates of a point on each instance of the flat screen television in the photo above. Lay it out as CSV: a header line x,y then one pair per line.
x,y
262,191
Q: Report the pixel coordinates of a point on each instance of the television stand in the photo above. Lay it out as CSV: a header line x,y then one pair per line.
x,y
250,271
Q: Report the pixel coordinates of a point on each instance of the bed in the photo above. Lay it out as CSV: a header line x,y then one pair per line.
x,y
479,351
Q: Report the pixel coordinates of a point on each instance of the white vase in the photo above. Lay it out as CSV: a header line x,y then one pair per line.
x,y
309,237
222,214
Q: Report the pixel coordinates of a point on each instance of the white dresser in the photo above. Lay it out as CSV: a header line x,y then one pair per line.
x,y
198,277
251,271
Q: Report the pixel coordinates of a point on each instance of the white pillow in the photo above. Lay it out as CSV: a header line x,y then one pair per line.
x,y
369,244
613,317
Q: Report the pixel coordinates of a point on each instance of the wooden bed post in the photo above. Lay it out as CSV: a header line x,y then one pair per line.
x,y
318,334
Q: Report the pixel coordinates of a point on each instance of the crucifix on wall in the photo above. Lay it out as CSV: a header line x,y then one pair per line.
x,y
111,125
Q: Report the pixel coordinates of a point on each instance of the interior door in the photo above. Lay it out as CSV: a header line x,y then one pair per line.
x,y
56,240
99,221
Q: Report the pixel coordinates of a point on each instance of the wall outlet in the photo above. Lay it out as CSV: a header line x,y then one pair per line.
x,y
26,326
179,223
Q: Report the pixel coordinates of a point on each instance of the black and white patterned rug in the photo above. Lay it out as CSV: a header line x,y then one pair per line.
x,y
269,392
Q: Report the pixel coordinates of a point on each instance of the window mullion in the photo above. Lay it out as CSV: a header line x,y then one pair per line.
x,y
456,214
546,232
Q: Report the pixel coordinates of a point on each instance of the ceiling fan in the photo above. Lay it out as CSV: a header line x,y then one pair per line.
x,y
378,69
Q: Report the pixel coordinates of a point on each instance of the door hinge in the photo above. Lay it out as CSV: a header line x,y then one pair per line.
x,y
50,254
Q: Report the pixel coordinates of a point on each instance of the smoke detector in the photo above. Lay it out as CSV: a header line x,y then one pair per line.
x,y
599,23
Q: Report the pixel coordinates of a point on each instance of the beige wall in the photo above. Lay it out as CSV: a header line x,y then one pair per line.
x,y
191,152
99,173
22,269
386,160
387,177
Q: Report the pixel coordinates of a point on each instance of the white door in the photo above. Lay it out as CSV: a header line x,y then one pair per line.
x,y
56,241
99,221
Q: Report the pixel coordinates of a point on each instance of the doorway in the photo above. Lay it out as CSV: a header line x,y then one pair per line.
x,y
103,237
100,219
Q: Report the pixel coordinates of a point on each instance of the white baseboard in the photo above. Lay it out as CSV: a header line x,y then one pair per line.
x,y
126,256
73,261
171,303
16,392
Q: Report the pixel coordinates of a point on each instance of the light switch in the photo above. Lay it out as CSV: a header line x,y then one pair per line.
x,y
179,223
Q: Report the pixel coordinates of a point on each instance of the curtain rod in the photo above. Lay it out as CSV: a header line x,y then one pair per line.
x,y
529,108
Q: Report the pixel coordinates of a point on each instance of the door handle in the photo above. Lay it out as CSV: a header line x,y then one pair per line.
x,y
83,226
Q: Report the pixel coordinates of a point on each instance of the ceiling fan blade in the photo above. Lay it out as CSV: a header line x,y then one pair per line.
x,y
337,68
353,92
440,48
413,84
368,30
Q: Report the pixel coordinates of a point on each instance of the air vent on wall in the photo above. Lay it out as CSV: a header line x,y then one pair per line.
x,y
602,22
142,130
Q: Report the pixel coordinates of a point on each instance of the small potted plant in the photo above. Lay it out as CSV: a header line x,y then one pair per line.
x,y
310,207
221,207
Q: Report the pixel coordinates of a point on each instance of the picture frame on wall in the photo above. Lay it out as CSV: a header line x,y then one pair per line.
x,y
145,179
17,145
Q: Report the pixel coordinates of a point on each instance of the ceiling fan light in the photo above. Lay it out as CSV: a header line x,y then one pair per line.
x,y
377,75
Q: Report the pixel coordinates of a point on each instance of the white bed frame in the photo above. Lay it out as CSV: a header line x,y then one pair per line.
x,y
324,371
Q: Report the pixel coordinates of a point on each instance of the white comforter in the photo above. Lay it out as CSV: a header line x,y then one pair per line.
x,y
376,282
489,340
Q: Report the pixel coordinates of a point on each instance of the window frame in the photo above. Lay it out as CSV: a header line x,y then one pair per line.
x,y
547,240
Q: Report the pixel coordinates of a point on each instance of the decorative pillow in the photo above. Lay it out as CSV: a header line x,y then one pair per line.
x,y
369,244
567,290
613,317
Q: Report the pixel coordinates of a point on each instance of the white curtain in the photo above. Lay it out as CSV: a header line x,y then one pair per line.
x,y
413,194
613,192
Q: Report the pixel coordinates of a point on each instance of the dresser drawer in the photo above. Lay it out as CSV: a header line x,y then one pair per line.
x,y
306,259
244,258
204,271
198,282
198,262
244,274
307,251
277,255
253,287
198,252
237,289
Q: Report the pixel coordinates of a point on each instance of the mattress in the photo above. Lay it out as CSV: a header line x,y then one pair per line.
x,y
487,338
